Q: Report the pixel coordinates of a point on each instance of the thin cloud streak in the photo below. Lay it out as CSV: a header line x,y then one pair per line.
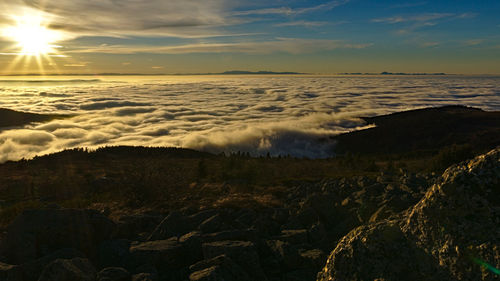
x,y
303,23
287,11
287,45
415,18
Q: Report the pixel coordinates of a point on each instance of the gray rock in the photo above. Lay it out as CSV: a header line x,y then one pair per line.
x,y
198,218
213,224
303,219
238,235
76,269
31,270
298,236
36,233
286,255
191,243
113,274
313,259
10,272
113,253
242,252
324,207
134,226
317,233
165,254
440,238
218,268
144,277
175,224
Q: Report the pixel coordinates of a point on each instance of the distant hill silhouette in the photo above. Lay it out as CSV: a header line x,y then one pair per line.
x,y
422,130
10,118
235,72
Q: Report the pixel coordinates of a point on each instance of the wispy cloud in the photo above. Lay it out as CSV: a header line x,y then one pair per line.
x,y
287,45
411,23
287,11
429,44
414,18
474,42
187,18
75,65
303,23
408,5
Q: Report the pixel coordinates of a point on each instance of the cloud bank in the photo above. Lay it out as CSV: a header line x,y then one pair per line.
x,y
185,18
280,115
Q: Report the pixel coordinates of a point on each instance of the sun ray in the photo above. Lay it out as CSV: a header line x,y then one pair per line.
x,y
32,39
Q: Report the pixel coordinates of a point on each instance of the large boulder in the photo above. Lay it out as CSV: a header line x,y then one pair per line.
x,y
114,274
163,254
10,272
76,269
31,270
137,226
36,233
175,224
449,235
218,268
113,253
242,252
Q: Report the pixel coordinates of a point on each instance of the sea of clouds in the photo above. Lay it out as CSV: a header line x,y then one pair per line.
x,y
280,115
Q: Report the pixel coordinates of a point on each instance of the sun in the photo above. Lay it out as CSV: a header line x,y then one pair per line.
x,y
32,37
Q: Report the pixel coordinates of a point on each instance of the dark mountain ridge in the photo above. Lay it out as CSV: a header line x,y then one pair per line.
x,y
11,118
424,130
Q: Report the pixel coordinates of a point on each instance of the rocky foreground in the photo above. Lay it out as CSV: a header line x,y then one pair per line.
x,y
392,227
455,227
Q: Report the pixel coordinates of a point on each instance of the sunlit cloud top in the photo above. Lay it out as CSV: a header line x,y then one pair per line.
x,y
193,36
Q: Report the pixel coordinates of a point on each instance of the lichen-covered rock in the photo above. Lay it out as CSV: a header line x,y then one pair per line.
x,y
446,236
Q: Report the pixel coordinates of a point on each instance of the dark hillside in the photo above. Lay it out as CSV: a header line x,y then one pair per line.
x,y
11,118
425,130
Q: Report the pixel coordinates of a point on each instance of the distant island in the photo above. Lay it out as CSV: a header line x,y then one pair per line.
x,y
239,72
392,73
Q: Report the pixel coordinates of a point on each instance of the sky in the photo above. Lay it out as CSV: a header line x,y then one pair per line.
x,y
210,36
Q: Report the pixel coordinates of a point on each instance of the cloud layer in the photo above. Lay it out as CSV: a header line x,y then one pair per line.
x,y
280,115
185,18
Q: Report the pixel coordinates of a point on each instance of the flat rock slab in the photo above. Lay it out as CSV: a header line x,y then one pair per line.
x,y
242,252
161,253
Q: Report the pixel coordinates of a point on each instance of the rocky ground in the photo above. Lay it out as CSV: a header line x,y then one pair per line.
x,y
287,242
452,231
139,214
403,230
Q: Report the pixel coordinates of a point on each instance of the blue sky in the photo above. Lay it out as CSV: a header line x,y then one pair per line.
x,y
193,36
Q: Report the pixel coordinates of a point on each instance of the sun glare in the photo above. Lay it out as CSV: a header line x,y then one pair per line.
x,y
32,37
